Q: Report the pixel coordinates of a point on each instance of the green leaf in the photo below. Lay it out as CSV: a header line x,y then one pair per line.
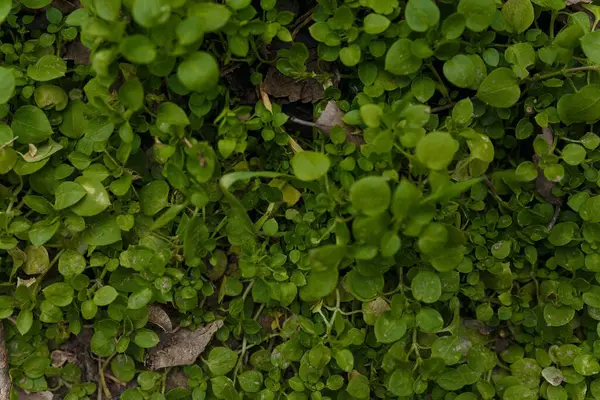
x,y
47,68
108,10
375,24
401,382
212,16
60,294
145,338
190,30
344,359
35,3
389,329
138,49
590,43
454,26
583,106
558,316
520,392
573,154
199,71
371,195
429,320
479,14
460,71
7,81
350,56
67,194
586,365
481,359
518,15
221,360
105,296
24,321
37,260
102,232
436,150
250,381
123,368
422,15
71,264
359,387
399,59
96,199
319,284
149,13
423,89
310,165
500,88
131,94
154,197
139,299
426,286
30,125
448,348
5,7
74,123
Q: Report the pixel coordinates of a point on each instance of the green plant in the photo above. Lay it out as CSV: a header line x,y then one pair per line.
x,y
433,236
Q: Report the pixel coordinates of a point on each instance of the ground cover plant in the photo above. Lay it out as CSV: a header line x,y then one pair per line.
x,y
284,199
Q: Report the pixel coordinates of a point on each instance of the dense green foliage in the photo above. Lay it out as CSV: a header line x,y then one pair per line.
x,y
434,235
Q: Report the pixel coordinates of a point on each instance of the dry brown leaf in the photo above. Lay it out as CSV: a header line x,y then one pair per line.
x,y
78,53
35,396
265,98
333,116
160,318
284,87
330,117
575,2
60,358
182,347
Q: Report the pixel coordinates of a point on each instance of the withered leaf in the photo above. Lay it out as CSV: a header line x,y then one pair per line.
x,y
574,2
333,116
182,347
159,317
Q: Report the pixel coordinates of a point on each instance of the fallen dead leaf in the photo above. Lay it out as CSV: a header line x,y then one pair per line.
x,y
575,2
284,87
60,358
66,6
333,116
159,317
182,347
35,396
78,53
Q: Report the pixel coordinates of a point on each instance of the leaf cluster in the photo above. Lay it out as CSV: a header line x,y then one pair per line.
x,y
436,235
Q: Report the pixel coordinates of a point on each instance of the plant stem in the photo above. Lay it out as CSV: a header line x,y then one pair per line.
x,y
443,87
103,379
537,78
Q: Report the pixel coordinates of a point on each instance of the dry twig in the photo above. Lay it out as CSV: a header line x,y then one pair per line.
x,y
4,378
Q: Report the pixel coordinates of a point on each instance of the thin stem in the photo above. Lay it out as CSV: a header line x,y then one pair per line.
x,y
307,123
575,70
103,379
442,108
552,21
443,87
